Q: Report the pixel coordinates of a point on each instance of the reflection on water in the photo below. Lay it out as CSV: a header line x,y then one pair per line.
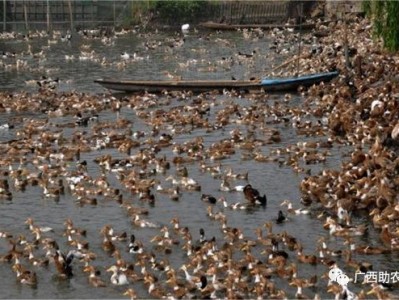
x,y
201,56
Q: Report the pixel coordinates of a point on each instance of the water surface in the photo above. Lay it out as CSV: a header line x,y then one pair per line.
x,y
201,56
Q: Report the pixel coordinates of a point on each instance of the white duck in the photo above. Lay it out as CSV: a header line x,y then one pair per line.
x,y
185,28
117,278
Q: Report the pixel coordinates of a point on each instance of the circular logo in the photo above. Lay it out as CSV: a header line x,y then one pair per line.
x,y
334,273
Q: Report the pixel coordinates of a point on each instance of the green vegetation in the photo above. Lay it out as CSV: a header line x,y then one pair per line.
x,y
140,11
170,12
181,11
366,6
385,16
391,34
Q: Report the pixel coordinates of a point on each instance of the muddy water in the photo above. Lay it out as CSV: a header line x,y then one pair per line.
x,y
195,59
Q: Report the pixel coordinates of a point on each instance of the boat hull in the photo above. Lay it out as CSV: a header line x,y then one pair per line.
x,y
160,86
281,84
268,85
224,26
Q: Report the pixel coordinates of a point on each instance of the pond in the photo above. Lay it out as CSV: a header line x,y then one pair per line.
x,y
165,55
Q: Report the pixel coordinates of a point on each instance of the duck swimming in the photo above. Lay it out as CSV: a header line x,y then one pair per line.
x,y
63,262
94,277
48,83
253,196
208,198
281,217
364,181
125,55
117,277
25,276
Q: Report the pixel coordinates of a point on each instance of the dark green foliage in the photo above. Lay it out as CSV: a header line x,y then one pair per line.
x,y
366,6
178,11
385,16
391,30
379,14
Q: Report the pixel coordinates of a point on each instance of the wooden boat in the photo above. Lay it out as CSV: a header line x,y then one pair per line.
x,y
283,84
267,84
225,26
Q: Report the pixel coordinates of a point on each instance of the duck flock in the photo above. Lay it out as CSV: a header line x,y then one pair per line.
x,y
69,152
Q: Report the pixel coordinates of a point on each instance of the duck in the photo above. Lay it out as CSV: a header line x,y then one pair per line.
x,y
291,210
41,262
71,229
6,126
135,246
94,277
164,240
176,224
365,249
386,236
380,292
83,200
29,222
214,215
84,121
109,231
215,170
208,198
107,244
48,83
253,196
226,187
25,276
197,281
185,28
241,176
281,217
131,293
170,191
136,57
5,235
117,277
246,55
190,184
337,230
154,290
307,259
63,262
324,250
202,238
134,210
179,286
299,284
343,215
125,55
338,291
276,256
78,243
231,234
137,221
233,206
68,35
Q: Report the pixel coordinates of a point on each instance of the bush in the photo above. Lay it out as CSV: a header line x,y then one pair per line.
x,y
178,11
